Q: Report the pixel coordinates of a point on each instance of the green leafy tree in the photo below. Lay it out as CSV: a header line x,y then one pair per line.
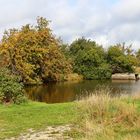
x,y
89,59
121,59
138,56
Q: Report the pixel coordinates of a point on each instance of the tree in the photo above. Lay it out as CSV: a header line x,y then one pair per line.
x,y
33,53
121,59
89,59
138,56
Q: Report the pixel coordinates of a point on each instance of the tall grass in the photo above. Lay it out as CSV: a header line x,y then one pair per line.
x,y
106,118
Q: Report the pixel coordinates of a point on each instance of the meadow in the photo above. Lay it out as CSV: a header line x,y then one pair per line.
x,y
96,117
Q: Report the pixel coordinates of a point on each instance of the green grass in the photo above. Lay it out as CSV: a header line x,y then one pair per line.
x,y
97,116
16,119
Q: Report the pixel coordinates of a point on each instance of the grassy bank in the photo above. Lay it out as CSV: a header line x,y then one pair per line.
x,y
106,118
16,119
99,117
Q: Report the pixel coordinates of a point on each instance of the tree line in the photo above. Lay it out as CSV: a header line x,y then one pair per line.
x,y
33,55
37,56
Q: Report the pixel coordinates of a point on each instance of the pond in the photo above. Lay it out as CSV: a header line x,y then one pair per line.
x,y
69,91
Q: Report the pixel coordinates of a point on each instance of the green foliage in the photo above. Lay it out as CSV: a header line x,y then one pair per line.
x,y
138,56
89,59
121,59
10,88
34,53
37,56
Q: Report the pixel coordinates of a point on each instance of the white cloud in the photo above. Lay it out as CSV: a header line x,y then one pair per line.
x,y
127,10
107,22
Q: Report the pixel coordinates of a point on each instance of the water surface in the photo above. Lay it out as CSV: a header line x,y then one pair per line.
x,y
70,91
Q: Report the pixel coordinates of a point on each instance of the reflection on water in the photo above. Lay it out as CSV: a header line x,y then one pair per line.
x,y
70,91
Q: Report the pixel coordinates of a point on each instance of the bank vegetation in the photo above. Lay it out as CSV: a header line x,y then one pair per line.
x,y
96,117
36,55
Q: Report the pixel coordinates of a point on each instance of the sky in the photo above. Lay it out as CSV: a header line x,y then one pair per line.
x,y
106,21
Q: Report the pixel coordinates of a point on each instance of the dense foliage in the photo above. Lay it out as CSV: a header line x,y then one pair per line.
x,y
138,56
33,53
121,59
89,59
94,62
36,56
11,90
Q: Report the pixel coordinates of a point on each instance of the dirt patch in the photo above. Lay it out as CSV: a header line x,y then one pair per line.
x,y
50,133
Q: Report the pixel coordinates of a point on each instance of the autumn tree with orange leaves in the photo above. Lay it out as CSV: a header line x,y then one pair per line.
x,y
33,52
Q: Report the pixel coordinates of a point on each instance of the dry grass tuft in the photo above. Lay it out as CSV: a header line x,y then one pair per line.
x,y
105,118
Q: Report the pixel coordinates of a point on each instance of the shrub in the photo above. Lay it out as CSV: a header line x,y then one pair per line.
x,y
120,59
89,60
73,77
11,90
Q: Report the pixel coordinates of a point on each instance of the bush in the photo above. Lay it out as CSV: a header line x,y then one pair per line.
x,y
73,77
96,73
11,90
120,60
90,60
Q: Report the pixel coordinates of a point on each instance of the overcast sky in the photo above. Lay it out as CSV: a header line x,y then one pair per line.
x,y
105,21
